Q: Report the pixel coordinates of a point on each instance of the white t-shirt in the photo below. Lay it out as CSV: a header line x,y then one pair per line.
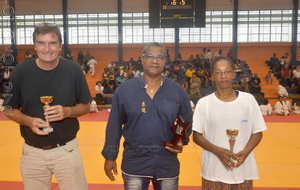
x,y
110,65
266,109
297,74
209,56
217,54
212,117
99,89
136,74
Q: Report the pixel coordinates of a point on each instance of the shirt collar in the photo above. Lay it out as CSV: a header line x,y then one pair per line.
x,y
143,83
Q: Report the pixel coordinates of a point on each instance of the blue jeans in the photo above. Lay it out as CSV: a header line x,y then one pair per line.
x,y
142,183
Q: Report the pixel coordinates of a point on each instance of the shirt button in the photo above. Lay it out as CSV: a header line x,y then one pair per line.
x,y
155,155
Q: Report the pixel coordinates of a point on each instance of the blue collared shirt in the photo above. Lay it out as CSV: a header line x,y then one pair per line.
x,y
147,123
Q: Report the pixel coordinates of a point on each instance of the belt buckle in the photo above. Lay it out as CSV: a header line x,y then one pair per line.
x,y
47,147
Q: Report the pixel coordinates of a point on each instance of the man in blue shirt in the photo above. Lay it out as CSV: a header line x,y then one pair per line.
x,y
120,80
147,106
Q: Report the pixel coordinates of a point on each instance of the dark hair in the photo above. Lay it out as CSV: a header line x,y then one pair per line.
x,y
92,57
217,59
279,97
238,60
208,50
204,49
265,102
45,28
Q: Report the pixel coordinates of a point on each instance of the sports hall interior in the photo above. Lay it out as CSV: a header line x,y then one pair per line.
x,y
264,27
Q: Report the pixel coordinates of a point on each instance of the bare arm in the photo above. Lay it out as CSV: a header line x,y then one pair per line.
x,y
252,143
58,112
222,153
33,123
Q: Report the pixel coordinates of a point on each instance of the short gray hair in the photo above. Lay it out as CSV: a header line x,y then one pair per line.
x,y
154,44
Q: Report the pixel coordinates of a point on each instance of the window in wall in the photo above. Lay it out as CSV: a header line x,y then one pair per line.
x,y
25,25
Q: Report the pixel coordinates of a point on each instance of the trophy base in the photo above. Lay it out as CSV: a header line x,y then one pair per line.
x,y
172,145
48,130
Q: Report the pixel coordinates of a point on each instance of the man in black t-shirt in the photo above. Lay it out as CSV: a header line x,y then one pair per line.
x,y
47,153
255,84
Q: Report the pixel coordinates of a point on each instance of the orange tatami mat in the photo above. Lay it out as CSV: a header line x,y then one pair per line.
x,y
278,156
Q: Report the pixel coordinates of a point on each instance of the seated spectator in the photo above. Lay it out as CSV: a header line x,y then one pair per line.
x,y
235,81
296,75
135,72
287,104
218,53
208,77
230,55
195,83
131,61
181,73
266,108
176,69
282,61
281,91
126,74
99,93
269,78
191,59
287,59
138,64
189,74
280,107
112,81
237,67
28,55
244,83
277,69
274,61
70,56
105,74
285,75
191,64
255,85
121,68
197,61
209,56
120,80
168,65
130,69
200,74
111,65
206,64
297,107
179,58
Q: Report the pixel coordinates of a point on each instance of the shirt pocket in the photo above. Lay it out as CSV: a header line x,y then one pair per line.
x,y
170,111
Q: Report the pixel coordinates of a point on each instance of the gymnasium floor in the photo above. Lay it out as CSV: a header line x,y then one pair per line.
x,y
277,156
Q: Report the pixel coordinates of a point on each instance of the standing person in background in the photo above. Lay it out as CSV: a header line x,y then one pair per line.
x,y
87,58
80,56
203,54
179,58
111,65
223,168
47,153
92,62
230,55
209,56
143,111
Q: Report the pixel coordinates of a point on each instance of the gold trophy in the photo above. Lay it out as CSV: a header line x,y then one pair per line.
x,y
232,133
47,100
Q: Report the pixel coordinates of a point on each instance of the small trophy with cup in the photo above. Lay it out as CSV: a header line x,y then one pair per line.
x,y
232,133
47,100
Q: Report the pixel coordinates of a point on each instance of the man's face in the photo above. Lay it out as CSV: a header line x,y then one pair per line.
x,y
255,75
47,47
153,67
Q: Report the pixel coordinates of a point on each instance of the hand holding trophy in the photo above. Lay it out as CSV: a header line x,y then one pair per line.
x,y
232,133
47,100
180,132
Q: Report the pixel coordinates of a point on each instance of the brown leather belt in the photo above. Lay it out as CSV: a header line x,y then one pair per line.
x,y
51,146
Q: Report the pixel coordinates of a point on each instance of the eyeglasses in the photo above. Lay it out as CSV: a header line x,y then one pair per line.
x,y
226,73
46,24
150,57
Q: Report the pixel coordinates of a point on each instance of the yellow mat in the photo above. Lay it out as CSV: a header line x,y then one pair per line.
x,y
278,155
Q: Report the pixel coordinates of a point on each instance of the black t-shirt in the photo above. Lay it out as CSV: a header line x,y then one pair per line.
x,y
255,81
66,83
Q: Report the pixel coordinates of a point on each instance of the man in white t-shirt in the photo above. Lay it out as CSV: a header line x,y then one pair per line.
x,y
92,64
214,114
111,64
135,72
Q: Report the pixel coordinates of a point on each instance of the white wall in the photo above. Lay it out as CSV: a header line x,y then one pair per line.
x,y
110,6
